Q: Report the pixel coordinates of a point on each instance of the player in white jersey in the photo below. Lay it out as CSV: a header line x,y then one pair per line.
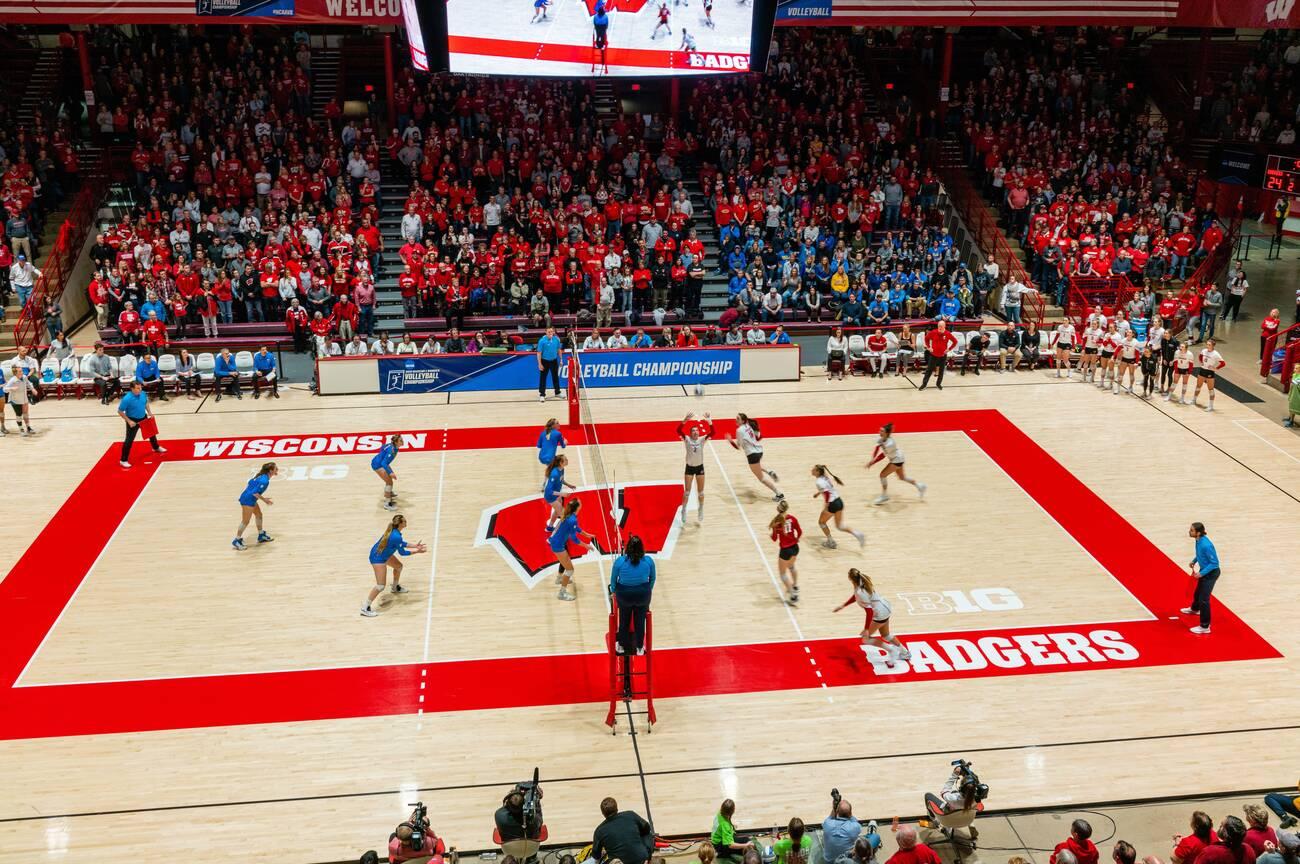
x,y
887,448
694,434
1064,346
1127,355
878,612
688,42
832,506
1209,362
1183,362
664,15
708,22
1107,346
1091,346
749,441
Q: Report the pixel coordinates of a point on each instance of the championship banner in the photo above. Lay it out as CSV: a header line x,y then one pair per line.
x,y
436,373
244,8
803,10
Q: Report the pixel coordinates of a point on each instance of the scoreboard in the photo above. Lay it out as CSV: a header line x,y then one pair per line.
x,y
1282,174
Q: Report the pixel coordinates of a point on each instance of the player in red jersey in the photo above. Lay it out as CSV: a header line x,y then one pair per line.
x,y
663,21
694,434
786,532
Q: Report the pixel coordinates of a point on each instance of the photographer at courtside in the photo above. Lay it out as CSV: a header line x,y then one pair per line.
x,y
962,791
415,839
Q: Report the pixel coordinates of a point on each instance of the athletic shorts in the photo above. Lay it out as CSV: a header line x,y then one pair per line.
x,y
754,458
1180,371
789,552
876,621
1064,346
1106,355
835,506
247,501
1089,350
1128,361
1207,374
695,470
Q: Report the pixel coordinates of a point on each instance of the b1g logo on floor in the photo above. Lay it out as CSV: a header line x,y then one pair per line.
x,y
517,529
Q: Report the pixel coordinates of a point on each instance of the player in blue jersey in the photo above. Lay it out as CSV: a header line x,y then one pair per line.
x,y
568,531
553,490
382,465
387,553
251,500
539,10
549,441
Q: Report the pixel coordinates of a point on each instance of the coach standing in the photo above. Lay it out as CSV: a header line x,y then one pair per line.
x,y
1207,563
548,361
134,409
938,342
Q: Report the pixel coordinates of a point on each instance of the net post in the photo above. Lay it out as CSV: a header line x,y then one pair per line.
x,y
575,418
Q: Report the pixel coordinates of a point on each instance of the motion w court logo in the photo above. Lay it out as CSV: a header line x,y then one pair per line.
x,y
517,529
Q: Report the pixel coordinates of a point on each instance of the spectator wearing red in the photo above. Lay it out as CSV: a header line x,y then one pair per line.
x,y
345,315
1079,844
128,323
1231,847
296,322
155,333
911,850
686,338
1258,833
1268,328
938,342
1181,246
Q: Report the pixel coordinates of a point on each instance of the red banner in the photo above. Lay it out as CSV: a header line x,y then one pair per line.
x,y
1238,13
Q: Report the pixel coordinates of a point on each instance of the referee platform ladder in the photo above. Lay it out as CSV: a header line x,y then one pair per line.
x,y
630,677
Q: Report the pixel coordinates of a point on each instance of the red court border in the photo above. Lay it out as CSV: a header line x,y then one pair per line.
x,y
44,580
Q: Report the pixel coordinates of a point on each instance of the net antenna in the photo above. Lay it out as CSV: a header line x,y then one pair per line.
x,y
606,479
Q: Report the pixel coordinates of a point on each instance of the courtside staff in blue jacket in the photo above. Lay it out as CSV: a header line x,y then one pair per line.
x,y
548,363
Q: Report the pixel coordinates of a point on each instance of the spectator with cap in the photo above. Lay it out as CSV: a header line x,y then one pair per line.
x,y
1285,851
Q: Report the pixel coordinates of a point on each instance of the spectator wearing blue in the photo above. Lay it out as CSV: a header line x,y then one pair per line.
x,y
548,363
226,373
949,306
840,831
877,313
897,298
631,582
133,409
154,305
736,261
146,372
640,340
1205,569
779,336
264,372
736,284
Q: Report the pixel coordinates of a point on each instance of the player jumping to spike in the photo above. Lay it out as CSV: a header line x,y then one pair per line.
x,y
539,10
688,42
663,21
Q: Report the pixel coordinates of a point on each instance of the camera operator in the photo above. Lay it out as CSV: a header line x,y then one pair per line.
x,y
840,830
961,791
623,836
513,819
415,839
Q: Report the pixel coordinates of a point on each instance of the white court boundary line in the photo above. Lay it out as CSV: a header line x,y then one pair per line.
x,y
18,682
1242,424
433,550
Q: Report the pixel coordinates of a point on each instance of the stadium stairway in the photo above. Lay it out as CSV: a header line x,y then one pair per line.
x,y
389,314
713,296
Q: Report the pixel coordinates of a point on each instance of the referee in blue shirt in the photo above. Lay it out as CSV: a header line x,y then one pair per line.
x,y
134,408
548,363
1207,563
632,581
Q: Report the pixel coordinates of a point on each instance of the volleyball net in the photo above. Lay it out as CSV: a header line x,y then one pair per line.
x,y
604,478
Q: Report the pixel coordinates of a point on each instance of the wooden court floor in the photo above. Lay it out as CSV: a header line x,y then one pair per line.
x,y
154,679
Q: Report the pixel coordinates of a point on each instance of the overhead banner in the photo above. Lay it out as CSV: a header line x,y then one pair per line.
x,y
796,11
624,368
1238,13
244,8
298,12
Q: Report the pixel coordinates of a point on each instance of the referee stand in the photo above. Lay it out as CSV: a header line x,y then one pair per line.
x,y
630,676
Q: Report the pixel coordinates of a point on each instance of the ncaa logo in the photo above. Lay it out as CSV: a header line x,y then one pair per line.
x,y
396,380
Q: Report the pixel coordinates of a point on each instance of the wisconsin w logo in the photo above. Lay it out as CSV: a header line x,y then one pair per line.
x,y
1277,9
517,529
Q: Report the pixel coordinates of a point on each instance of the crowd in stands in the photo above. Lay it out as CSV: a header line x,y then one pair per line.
x,y
1260,104
248,207
1084,178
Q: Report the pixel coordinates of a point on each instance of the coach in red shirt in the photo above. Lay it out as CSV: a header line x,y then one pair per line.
x,y
938,342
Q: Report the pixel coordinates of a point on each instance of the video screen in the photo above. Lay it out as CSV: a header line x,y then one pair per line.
x,y
622,38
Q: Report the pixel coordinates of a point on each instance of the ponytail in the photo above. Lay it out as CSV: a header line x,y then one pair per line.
x,y
394,525
635,550
555,463
266,469
551,424
781,508
571,506
861,580
886,430
823,471
396,439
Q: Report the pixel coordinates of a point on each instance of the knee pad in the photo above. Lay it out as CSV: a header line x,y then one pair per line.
x,y
388,488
